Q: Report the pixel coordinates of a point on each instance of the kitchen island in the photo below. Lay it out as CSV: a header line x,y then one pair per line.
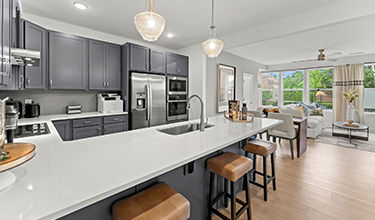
x,y
80,179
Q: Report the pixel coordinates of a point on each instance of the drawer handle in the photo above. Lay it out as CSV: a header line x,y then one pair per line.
x,y
87,122
115,119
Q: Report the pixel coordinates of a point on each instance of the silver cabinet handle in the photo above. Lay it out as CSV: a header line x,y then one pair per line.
x,y
50,82
104,84
87,122
107,84
27,81
115,119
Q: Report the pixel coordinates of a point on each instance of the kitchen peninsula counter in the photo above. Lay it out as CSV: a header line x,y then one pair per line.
x,y
65,177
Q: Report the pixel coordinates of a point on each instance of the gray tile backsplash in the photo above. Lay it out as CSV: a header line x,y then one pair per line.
x,y
55,101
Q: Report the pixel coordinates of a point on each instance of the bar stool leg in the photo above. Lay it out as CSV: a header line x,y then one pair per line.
x,y
226,191
265,177
232,201
273,170
254,167
210,195
247,195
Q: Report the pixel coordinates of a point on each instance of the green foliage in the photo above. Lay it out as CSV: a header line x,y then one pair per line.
x,y
321,78
294,80
369,77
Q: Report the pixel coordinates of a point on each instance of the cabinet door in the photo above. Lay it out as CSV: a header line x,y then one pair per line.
x,y
35,38
114,128
6,41
139,58
157,61
183,65
113,67
172,60
63,128
97,60
1,42
68,61
85,132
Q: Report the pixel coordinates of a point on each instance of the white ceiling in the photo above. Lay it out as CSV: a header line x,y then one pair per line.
x,y
266,31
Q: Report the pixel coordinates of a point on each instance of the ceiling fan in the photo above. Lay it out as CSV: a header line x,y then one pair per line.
x,y
322,57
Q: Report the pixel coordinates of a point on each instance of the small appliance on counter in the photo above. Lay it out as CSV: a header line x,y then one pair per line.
x,y
11,120
17,105
31,130
110,103
32,110
73,109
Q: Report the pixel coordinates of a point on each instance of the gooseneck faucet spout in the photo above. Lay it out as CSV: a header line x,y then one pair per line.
x,y
202,125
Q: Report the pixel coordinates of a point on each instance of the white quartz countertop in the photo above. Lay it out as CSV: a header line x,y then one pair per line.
x,y
66,176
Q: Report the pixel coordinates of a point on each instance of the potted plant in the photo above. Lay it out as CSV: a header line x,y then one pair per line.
x,y
351,112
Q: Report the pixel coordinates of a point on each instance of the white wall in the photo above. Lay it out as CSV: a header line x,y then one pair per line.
x,y
197,77
242,66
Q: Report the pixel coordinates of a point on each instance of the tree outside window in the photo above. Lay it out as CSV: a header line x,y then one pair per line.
x,y
293,86
320,84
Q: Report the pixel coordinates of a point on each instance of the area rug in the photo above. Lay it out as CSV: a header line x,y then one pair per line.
x,y
327,138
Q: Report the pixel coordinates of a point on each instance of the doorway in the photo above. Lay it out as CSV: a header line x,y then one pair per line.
x,y
249,90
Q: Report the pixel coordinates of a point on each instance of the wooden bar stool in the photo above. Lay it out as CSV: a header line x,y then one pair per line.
x,y
159,202
262,148
232,167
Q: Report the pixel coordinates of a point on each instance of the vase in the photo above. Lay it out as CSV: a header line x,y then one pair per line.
x,y
356,116
350,112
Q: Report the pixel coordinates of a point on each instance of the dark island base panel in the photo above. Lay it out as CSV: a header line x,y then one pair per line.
x,y
193,186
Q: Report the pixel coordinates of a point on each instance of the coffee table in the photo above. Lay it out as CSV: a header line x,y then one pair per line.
x,y
361,127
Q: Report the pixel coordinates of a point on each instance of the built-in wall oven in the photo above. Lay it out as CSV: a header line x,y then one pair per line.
x,y
177,98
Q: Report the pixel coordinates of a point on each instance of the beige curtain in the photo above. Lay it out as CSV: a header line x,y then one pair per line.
x,y
346,77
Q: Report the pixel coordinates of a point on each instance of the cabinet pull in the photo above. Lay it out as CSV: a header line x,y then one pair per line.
x,y
103,84
107,84
87,122
115,119
28,81
50,82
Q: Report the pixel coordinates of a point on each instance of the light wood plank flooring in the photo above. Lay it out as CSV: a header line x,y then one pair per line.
x,y
327,182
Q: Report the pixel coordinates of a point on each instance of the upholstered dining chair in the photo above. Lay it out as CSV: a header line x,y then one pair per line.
x,y
258,114
284,130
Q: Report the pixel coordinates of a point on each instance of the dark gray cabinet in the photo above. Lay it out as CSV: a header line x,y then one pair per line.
x,y
97,68
75,129
104,66
68,61
85,132
63,128
139,58
35,38
113,67
114,128
157,61
177,64
5,41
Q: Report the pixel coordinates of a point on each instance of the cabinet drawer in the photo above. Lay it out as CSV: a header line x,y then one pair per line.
x,y
114,119
86,122
85,132
114,128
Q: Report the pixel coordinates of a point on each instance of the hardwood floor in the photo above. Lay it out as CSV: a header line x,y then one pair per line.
x,y
327,182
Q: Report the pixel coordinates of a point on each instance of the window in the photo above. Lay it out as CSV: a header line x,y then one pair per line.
x,y
270,88
369,104
320,85
293,86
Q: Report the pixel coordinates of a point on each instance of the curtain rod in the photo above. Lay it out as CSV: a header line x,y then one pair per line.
x,y
306,68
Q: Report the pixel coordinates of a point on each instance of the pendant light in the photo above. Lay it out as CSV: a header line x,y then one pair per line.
x,y
149,24
213,46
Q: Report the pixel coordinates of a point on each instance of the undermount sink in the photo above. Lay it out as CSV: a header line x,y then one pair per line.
x,y
182,129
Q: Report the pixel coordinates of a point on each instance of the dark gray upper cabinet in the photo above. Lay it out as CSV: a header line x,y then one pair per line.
x,y
68,61
104,66
97,69
113,67
139,58
35,38
6,15
157,61
177,64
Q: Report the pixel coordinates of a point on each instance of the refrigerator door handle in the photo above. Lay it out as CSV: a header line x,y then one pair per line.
x,y
148,103
150,93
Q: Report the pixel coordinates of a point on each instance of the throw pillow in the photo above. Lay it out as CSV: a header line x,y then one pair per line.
x,y
302,109
316,112
306,108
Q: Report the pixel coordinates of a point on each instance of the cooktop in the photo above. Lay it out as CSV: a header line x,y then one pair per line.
x,y
31,130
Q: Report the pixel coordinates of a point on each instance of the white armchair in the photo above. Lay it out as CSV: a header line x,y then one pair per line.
x,y
285,130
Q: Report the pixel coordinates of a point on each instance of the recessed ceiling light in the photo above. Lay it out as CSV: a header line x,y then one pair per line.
x,y
170,35
80,5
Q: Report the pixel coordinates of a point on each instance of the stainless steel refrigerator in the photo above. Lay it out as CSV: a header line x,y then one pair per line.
x,y
148,100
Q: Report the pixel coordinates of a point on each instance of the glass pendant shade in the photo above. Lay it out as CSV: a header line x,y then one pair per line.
x,y
213,47
150,25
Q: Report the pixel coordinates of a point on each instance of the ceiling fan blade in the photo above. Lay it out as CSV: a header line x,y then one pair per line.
x,y
303,61
332,59
333,54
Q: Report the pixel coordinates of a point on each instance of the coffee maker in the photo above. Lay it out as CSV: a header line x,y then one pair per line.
x,y
11,120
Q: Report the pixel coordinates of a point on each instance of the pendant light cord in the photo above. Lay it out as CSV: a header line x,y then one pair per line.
x,y
151,5
212,14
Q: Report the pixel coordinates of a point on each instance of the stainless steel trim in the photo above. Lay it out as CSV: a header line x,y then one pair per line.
x,y
177,93
177,78
177,101
150,91
148,103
